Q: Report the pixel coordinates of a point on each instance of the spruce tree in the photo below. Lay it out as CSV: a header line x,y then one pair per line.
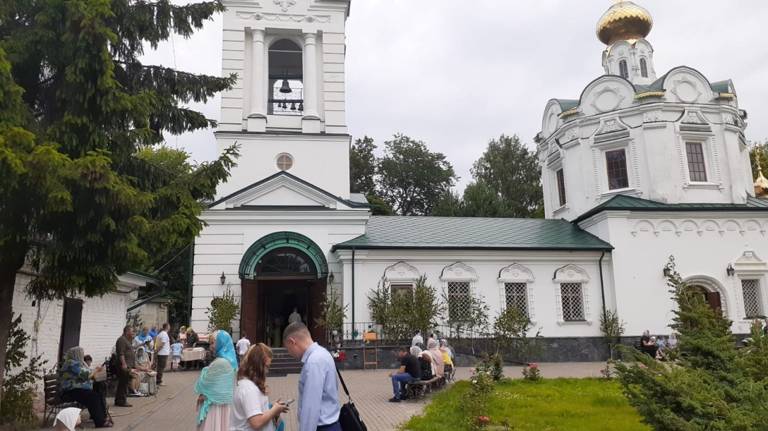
x,y
87,191
703,387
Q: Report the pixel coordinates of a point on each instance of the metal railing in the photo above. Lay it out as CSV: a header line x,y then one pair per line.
x,y
357,333
287,103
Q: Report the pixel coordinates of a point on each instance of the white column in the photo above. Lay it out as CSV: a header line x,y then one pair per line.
x,y
257,75
310,76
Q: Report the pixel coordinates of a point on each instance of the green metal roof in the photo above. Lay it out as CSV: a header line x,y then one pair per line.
x,y
629,203
473,233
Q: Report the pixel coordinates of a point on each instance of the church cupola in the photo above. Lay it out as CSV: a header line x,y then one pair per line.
x,y
623,29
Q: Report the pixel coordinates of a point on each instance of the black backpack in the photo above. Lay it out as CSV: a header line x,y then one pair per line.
x,y
349,418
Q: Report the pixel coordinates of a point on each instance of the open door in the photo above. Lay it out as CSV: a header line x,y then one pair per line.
x,y
316,298
251,311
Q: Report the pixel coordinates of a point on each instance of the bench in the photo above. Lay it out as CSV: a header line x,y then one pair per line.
x,y
53,403
416,389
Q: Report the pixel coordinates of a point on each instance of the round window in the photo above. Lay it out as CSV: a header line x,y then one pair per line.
x,y
284,161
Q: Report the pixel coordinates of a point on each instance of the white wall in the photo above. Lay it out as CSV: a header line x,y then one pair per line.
x,y
370,266
320,160
653,132
222,244
703,245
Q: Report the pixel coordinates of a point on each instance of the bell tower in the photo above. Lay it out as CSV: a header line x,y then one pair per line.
x,y
287,109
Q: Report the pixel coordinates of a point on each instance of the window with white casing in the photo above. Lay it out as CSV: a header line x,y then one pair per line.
x,y
697,165
571,296
516,296
572,302
459,279
516,288
401,278
643,68
459,301
753,303
623,70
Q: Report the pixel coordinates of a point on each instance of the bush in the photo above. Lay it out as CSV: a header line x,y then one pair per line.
x,y
400,315
16,408
222,311
531,372
476,400
492,365
612,329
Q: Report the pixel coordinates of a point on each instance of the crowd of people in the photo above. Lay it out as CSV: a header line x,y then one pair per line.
x,y
434,361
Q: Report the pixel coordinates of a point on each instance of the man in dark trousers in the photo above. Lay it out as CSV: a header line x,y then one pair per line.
x,y
126,361
163,349
409,370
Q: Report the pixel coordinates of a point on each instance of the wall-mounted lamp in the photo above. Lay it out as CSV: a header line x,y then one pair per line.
x,y
730,270
330,278
223,278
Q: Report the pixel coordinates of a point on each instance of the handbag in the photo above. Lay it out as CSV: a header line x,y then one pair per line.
x,y
349,417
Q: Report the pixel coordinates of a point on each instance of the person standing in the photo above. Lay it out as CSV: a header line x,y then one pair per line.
x,y
318,386
250,405
294,317
216,385
163,348
410,369
126,360
243,344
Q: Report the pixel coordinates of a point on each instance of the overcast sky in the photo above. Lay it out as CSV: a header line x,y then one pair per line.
x,y
458,73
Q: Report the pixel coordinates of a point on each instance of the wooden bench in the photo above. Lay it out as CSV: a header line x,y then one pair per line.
x,y
53,403
417,389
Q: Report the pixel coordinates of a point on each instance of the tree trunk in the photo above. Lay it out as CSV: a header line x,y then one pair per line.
x,y
7,283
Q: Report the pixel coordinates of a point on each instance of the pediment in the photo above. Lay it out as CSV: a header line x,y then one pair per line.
x,y
281,191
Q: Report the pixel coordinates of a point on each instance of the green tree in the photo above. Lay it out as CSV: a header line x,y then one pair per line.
x,y
362,165
401,314
379,206
84,192
707,387
410,178
222,311
510,171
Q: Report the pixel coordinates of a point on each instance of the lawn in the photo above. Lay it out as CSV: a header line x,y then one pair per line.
x,y
547,405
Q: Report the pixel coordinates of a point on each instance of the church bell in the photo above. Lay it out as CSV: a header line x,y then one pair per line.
x,y
285,87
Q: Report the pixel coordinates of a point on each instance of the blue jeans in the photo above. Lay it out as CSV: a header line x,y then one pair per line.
x,y
397,382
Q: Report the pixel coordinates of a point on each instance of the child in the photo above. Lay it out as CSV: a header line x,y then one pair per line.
x,y
176,349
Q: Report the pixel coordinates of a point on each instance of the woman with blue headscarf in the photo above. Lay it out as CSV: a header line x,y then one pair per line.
x,y
216,384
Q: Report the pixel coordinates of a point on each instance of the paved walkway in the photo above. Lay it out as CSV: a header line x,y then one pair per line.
x,y
173,408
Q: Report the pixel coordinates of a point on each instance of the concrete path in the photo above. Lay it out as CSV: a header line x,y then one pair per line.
x,y
173,409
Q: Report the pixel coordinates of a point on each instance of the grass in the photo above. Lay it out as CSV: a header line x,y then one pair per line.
x,y
547,405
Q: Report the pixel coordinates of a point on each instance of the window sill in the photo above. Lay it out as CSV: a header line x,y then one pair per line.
x,y
631,191
560,209
574,322
702,186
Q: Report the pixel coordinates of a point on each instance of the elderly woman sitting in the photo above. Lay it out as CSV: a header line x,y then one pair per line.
x,y
437,357
143,372
76,385
425,362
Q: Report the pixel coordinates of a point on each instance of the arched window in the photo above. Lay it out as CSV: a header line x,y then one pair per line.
x,y
286,78
286,261
643,68
623,71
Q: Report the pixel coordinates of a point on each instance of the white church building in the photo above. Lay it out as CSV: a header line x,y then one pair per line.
x,y
640,167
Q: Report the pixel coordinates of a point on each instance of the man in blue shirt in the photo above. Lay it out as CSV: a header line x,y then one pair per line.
x,y
318,388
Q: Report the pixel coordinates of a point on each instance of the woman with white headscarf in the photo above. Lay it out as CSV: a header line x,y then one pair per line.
x,y
437,357
76,383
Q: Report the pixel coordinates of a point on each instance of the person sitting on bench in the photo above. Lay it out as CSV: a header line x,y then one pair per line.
x,y
409,370
425,362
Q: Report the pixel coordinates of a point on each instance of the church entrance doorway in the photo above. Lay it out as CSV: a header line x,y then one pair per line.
x,y
283,280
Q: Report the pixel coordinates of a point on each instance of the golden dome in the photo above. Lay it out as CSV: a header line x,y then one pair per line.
x,y
624,21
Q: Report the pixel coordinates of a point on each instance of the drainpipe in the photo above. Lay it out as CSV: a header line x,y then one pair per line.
x,y
353,293
189,289
602,286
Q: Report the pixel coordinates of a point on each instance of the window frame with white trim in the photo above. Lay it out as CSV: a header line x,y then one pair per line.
x,y
569,275
518,274
455,274
400,277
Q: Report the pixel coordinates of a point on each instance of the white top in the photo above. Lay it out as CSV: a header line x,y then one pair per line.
x,y
417,339
248,401
242,346
162,338
294,317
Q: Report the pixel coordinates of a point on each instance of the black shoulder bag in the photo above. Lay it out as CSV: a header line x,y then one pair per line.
x,y
349,418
